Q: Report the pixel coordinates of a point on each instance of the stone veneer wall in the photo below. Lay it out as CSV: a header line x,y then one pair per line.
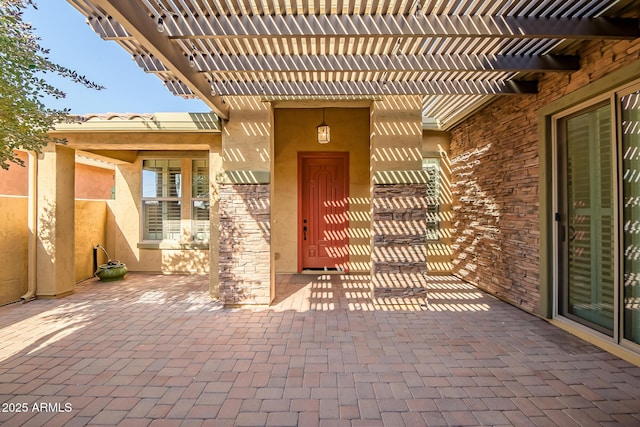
x,y
245,244
495,178
399,236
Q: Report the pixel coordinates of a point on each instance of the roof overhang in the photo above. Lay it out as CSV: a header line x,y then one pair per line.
x,y
133,122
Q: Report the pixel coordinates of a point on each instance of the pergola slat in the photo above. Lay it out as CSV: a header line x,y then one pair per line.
x,y
449,26
364,63
389,26
454,53
108,29
389,63
374,88
135,20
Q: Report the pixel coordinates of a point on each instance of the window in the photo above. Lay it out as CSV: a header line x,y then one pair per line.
x,y
431,165
170,211
161,194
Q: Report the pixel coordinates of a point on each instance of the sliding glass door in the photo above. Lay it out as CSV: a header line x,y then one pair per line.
x,y
629,107
597,215
587,234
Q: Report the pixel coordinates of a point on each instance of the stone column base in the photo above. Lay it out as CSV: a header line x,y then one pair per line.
x,y
399,253
245,244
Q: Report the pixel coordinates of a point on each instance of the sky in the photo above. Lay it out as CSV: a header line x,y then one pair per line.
x,y
73,44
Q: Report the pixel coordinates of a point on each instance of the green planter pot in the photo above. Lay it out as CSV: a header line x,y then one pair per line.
x,y
111,272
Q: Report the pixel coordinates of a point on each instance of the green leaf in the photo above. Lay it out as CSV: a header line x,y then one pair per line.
x,y
24,119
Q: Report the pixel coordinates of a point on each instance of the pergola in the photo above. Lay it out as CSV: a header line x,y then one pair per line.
x,y
458,54
385,71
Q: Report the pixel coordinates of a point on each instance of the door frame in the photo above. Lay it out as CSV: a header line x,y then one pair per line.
x,y
562,221
561,225
615,82
344,155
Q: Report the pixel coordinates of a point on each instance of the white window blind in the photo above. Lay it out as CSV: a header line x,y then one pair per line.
x,y
161,199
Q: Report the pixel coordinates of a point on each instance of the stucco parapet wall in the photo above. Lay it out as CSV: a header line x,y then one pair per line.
x,y
131,122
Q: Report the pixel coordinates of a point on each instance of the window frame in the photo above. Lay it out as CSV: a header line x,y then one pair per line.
x,y
611,96
195,198
434,160
186,238
144,200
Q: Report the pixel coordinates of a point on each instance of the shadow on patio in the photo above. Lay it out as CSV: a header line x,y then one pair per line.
x,y
324,292
156,349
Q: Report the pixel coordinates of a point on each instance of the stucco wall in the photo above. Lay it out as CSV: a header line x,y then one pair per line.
x,y
14,181
295,131
91,225
166,258
396,134
90,182
495,180
93,182
13,248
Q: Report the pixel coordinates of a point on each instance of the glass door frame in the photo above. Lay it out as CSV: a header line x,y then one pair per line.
x,y
561,226
618,95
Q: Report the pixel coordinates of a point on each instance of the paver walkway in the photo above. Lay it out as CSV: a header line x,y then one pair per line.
x,y
156,351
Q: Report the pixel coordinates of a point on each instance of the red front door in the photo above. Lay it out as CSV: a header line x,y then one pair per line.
x,y
323,209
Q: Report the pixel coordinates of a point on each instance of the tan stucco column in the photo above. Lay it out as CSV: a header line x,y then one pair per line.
x,y
56,222
398,251
127,234
245,257
396,136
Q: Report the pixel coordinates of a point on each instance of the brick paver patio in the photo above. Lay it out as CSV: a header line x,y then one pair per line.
x,y
156,351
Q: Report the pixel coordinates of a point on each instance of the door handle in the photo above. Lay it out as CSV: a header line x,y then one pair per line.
x,y
304,232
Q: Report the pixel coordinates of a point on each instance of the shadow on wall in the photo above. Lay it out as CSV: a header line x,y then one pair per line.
x,y
359,234
188,260
476,220
14,235
194,261
122,239
90,230
54,252
495,183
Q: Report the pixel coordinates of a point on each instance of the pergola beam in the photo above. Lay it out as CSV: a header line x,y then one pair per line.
x,y
136,21
450,26
373,63
375,88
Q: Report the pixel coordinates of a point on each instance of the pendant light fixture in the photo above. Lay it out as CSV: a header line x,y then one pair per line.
x,y
324,132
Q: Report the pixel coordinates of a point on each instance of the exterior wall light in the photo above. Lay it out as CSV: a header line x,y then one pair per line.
x,y
160,25
324,132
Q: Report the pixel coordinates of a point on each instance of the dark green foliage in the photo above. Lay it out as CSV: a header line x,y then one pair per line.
x,y
24,119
